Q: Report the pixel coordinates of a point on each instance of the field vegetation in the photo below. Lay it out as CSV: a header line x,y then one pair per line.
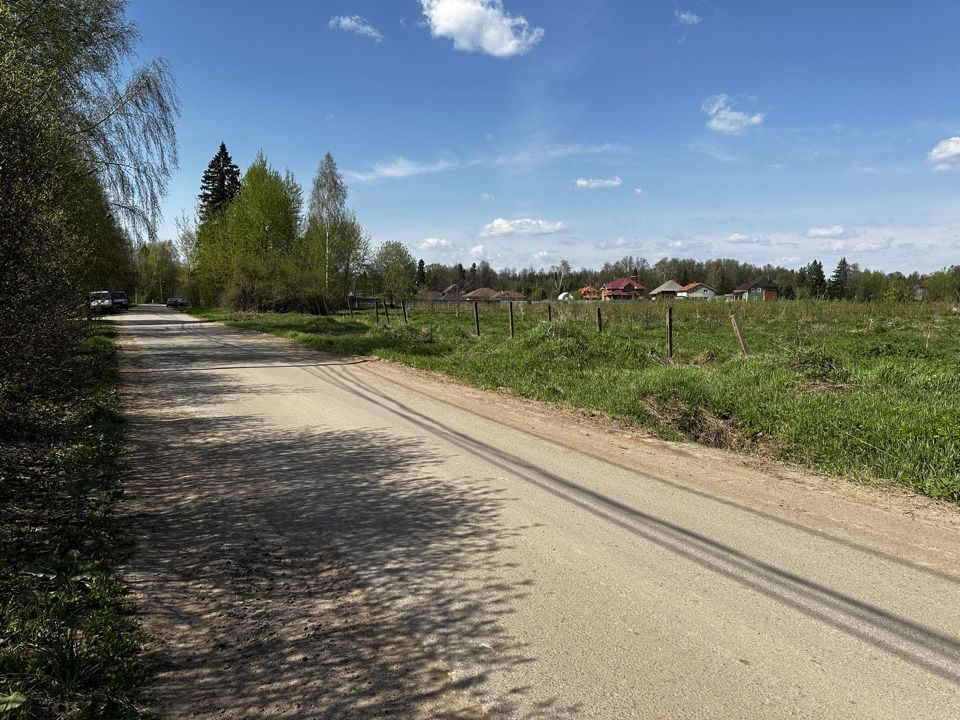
x,y
865,390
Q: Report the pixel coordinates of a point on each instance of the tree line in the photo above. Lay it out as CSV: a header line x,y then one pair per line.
x,y
253,246
87,145
847,282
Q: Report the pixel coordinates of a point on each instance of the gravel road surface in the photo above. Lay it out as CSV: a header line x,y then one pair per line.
x,y
335,537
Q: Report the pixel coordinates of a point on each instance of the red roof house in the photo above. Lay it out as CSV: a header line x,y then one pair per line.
x,y
625,288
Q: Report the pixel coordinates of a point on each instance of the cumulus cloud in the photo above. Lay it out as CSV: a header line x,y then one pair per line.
x,y
685,17
434,243
481,25
945,155
523,226
725,119
399,169
594,183
639,191
355,24
834,231
487,197
478,251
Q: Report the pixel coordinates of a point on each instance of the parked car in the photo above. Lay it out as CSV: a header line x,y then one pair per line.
x,y
177,302
120,301
100,302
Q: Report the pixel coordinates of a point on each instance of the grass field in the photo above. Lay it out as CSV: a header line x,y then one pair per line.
x,y
869,391
68,642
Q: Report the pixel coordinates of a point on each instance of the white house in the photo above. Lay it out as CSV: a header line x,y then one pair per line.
x,y
697,291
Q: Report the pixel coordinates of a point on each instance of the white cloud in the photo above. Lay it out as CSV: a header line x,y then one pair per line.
x,y
537,155
712,151
399,169
481,25
741,239
523,226
540,255
724,119
688,18
487,197
434,243
478,251
639,191
834,231
876,246
945,155
593,184
355,24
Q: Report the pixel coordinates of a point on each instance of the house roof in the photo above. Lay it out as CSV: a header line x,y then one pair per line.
x,y
483,293
621,284
761,282
668,286
455,289
508,295
689,287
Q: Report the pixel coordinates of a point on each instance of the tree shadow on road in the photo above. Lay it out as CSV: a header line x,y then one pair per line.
x,y
314,573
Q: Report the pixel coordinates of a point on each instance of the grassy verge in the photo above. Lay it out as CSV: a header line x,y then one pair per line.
x,y
68,641
870,391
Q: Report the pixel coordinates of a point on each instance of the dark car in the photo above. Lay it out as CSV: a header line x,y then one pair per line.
x,y
120,301
177,302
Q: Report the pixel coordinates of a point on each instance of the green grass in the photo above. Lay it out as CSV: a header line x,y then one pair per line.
x,y
68,642
870,391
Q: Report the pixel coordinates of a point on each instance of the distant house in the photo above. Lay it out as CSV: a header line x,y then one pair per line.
x,y
589,292
509,296
429,294
453,292
759,289
666,291
697,291
566,296
483,293
625,288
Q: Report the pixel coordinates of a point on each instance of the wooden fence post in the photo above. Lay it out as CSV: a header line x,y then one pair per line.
x,y
349,306
386,313
599,320
403,306
376,310
511,319
476,317
736,328
670,332
549,313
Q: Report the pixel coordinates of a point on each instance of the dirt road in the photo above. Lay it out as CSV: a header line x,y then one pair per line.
x,y
330,537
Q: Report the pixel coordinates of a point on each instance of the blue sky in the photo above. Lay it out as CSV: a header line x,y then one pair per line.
x,y
529,131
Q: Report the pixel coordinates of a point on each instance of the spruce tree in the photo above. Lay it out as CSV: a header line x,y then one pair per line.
x,y
421,274
816,278
220,184
840,280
